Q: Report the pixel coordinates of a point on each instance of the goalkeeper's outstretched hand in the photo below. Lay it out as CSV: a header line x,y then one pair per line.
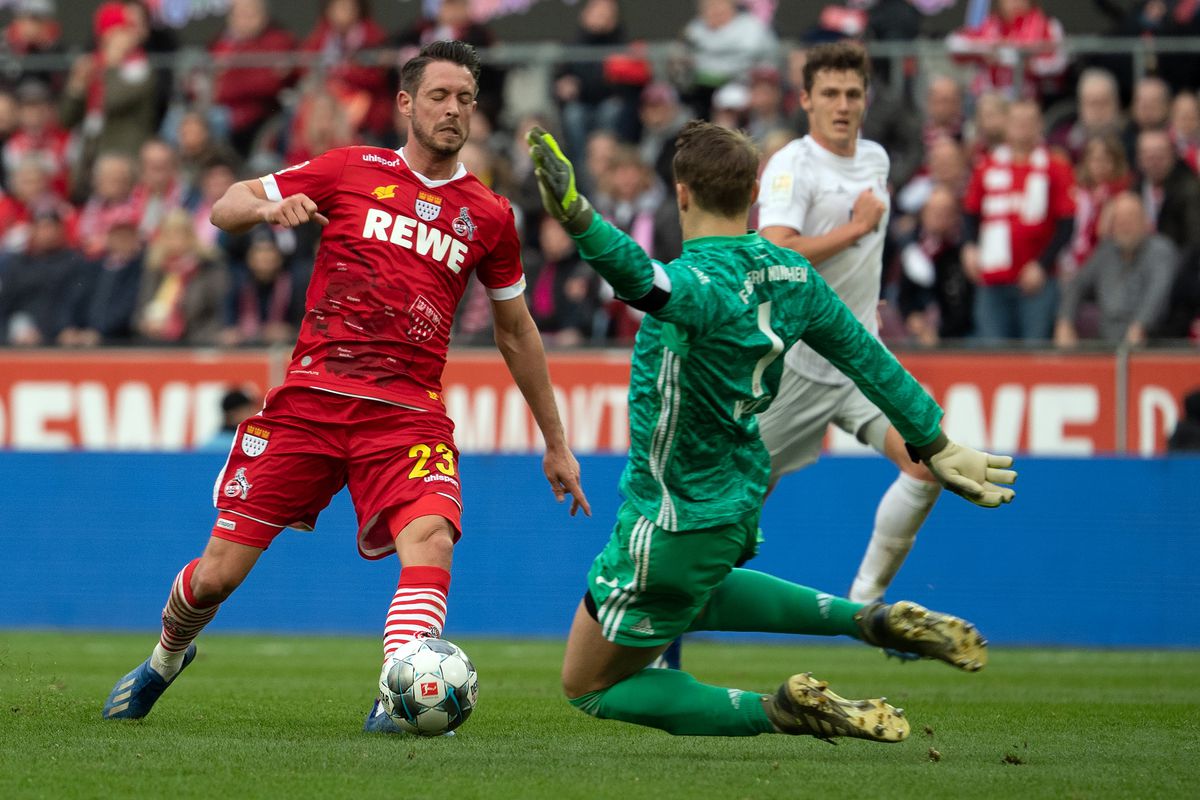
x,y
556,183
982,478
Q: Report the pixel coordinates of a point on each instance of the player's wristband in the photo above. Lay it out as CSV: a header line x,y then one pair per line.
x,y
927,451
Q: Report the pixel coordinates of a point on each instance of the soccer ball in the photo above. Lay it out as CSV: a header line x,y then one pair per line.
x,y
428,687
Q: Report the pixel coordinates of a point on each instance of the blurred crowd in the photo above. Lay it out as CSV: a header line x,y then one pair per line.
x,y
109,168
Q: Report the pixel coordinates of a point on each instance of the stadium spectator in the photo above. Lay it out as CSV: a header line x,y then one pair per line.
x,y
8,124
662,119
932,277
1186,436
344,29
1170,191
31,194
34,31
215,180
726,42
180,299
265,302
156,40
563,294
452,21
1183,307
39,136
110,94
1149,111
1102,174
988,125
159,189
766,103
943,111
731,106
601,149
249,95
111,199
947,167
1014,32
1129,276
100,306
1185,128
597,95
196,147
33,283
320,124
1020,214
236,407
1098,112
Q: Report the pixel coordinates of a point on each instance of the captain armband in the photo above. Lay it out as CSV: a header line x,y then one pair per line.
x,y
657,297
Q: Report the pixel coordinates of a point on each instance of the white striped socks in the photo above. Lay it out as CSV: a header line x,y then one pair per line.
x,y
418,609
182,621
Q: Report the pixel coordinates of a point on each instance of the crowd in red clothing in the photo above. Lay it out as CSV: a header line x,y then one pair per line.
x,y
1005,168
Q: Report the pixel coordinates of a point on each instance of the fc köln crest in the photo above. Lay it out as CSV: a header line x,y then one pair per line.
x,y
429,205
463,224
254,440
423,320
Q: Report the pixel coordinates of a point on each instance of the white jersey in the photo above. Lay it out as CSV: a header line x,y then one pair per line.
x,y
812,191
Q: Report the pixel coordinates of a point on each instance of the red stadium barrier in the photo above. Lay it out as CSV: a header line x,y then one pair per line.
x,y
1045,404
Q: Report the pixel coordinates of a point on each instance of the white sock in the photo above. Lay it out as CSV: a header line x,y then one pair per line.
x,y
903,509
166,663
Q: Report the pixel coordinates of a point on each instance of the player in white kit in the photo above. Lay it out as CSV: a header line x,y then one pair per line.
x,y
825,195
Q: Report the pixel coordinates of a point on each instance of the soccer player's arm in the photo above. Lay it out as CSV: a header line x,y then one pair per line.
x,y
836,334
290,197
783,201
520,344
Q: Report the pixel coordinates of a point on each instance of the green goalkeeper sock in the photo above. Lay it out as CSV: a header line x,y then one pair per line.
x,y
754,601
677,703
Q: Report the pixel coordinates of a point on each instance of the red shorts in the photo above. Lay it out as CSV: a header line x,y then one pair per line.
x,y
290,459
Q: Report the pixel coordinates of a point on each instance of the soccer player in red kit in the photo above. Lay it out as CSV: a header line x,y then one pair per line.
x,y
361,405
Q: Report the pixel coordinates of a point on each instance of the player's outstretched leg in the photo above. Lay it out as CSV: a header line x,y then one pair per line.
x,y
901,512
804,706
910,628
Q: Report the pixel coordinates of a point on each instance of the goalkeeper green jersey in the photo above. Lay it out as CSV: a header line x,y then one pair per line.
x,y
708,359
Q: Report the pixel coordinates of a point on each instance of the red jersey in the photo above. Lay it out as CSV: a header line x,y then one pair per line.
x,y
1018,205
391,267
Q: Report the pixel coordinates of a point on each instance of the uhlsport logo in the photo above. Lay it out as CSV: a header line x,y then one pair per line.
x,y
428,206
463,224
254,440
378,159
384,192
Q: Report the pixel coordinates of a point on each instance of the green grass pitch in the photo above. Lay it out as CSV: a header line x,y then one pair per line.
x,y
281,716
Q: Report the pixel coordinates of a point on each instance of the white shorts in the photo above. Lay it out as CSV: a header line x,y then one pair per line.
x,y
794,427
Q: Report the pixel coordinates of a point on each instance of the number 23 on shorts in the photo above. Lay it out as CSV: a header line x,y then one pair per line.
x,y
440,454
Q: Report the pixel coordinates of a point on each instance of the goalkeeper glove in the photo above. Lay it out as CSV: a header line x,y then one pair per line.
x,y
968,473
556,183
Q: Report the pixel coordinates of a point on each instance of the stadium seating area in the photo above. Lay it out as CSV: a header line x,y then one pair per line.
x,y
112,156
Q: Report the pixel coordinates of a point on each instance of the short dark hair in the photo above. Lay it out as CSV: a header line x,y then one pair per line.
x,y
719,166
453,51
836,57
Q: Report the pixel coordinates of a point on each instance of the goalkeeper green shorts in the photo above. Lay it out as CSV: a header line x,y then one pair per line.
x,y
648,584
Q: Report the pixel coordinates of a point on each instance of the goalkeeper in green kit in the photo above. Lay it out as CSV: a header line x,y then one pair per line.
x,y
706,360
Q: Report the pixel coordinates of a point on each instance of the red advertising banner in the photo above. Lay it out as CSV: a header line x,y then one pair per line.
x,y
1157,385
119,399
1045,404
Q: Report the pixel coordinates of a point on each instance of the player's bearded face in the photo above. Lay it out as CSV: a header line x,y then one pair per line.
x,y
440,111
835,107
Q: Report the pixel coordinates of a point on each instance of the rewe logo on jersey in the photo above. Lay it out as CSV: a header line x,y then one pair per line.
x,y
412,234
